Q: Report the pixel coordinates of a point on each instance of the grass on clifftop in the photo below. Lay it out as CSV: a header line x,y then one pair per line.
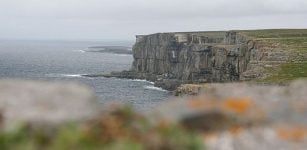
x,y
294,43
286,73
275,33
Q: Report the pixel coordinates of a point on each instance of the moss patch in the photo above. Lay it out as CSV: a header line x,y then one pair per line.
x,y
119,129
287,72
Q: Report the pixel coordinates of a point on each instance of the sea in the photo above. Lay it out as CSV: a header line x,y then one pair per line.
x,y
67,61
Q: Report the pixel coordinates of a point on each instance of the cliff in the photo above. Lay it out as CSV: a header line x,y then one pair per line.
x,y
171,59
193,57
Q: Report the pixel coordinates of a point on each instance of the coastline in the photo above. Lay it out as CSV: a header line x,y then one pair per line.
x,y
172,59
110,49
157,80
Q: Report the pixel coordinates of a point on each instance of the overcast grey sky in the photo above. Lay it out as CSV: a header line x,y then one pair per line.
x,y
122,19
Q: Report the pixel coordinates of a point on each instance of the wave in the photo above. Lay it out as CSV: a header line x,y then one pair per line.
x,y
73,75
82,51
66,75
140,80
154,88
122,54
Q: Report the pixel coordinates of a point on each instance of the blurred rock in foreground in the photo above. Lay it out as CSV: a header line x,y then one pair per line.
x,y
239,116
44,103
234,116
65,116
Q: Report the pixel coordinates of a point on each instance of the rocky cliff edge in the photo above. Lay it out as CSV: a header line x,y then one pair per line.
x,y
171,59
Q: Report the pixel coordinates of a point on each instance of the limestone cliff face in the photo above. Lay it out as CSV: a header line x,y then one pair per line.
x,y
193,57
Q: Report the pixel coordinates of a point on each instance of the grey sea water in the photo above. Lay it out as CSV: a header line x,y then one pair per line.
x,y
66,61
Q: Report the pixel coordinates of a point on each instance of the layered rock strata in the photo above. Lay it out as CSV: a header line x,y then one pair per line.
x,y
171,59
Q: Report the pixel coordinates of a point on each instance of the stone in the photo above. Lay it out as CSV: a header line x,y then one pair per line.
x,y
243,116
42,103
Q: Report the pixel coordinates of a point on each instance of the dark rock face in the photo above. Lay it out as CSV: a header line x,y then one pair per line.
x,y
192,58
171,59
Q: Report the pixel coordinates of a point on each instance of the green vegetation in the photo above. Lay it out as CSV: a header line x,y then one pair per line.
x,y
287,72
293,42
275,33
119,129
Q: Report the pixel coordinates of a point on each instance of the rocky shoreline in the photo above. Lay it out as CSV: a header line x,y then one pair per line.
x,y
159,81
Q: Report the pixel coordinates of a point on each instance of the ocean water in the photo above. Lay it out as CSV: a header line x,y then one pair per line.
x,y
66,61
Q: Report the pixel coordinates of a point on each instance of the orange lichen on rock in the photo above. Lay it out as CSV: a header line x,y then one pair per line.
x,y
236,130
198,103
238,105
292,133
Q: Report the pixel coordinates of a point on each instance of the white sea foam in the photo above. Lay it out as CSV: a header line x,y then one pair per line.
x,y
82,51
64,75
139,80
154,88
124,55
73,75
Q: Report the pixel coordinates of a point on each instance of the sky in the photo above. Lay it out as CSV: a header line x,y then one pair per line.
x,y
123,19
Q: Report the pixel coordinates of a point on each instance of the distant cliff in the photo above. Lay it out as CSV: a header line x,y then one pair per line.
x,y
215,57
171,59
